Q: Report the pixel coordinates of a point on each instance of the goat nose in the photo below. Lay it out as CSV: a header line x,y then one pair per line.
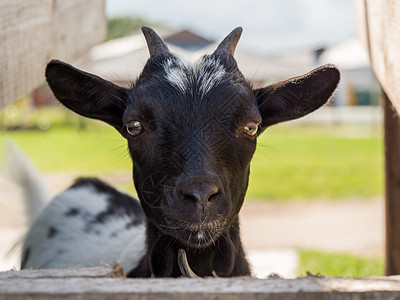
x,y
201,193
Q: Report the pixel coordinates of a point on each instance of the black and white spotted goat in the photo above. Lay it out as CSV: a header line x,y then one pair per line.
x,y
191,133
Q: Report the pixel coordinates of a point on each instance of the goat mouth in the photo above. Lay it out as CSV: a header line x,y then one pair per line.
x,y
195,234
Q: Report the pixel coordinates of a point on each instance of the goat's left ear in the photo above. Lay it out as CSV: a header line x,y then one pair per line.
x,y
87,94
298,96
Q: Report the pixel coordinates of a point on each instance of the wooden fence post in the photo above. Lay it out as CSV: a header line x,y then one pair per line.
x,y
33,32
392,186
378,26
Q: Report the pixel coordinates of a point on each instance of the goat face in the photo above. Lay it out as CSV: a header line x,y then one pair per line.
x,y
191,130
191,134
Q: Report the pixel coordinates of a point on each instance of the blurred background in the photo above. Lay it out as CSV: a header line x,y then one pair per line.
x,y
316,185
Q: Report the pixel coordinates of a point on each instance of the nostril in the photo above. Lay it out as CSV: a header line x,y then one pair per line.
x,y
200,193
209,192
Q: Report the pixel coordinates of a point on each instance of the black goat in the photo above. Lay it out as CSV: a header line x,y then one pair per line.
x,y
191,133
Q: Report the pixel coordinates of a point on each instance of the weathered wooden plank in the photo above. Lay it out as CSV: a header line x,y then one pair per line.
x,y
32,32
379,30
392,186
207,288
105,271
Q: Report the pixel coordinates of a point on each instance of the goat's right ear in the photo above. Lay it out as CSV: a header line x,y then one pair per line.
x,y
298,96
87,94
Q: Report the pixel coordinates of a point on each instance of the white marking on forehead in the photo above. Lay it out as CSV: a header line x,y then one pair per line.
x,y
176,75
210,73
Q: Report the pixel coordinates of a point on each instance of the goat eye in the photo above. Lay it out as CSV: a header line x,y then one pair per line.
x,y
250,129
134,128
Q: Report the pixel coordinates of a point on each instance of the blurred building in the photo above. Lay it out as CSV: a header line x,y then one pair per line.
x,y
359,85
121,61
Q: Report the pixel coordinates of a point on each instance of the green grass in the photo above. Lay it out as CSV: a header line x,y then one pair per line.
x,y
95,149
338,264
315,163
302,163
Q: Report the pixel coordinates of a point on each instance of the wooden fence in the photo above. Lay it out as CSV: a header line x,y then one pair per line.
x,y
379,30
35,31
108,282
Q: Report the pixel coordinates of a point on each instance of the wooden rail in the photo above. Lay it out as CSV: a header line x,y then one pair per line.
x,y
33,32
84,284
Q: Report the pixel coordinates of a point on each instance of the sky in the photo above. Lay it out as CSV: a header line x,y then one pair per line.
x,y
270,26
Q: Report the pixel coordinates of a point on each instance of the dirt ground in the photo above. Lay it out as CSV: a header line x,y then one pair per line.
x,y
355,225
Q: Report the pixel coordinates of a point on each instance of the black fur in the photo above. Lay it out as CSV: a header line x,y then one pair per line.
x,y
25,257
73,211
52,232
191,157
119,204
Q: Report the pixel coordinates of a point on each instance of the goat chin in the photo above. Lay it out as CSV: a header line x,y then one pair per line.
x,y
199,239
195,235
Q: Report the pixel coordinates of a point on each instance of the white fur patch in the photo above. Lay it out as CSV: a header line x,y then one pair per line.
x,y
72,244
210,73
176,75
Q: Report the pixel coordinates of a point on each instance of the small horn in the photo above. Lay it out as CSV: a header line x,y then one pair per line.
x,y
184,265
155,44
229,43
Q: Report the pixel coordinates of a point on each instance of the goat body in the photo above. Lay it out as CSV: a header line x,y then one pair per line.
x,y
191,133
87,224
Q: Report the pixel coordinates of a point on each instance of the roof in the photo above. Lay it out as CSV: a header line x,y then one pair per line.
x,y
187,40
122,60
